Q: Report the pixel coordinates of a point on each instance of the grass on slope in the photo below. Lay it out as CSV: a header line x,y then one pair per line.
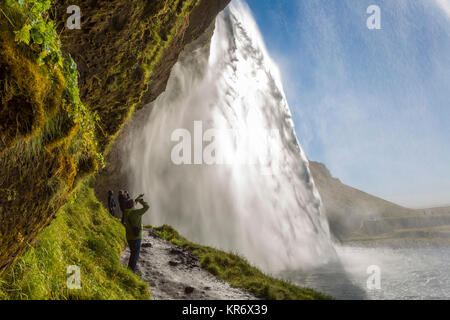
x,y
47,136
238,272
85,235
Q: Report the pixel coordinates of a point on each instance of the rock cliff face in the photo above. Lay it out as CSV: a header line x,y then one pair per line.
x,y
126,49
124,53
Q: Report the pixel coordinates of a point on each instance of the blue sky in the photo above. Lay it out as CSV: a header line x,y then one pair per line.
x,y
373,105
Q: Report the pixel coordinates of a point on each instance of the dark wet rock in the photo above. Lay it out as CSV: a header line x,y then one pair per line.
x,y
188,290
152,233
173,263
175,251
184,257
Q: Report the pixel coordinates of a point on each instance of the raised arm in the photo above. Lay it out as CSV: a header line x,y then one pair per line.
x,y
143,210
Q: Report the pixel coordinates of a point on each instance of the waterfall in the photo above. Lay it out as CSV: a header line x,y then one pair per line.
x,y
218,158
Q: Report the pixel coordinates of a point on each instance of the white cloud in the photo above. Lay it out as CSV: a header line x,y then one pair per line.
x,y
445,6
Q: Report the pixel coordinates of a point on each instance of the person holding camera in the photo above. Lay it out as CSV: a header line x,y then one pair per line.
x,y
133,227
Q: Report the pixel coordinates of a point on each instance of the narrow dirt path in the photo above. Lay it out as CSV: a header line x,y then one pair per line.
x,y
174,273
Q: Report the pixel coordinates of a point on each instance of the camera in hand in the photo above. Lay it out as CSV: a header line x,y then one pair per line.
x,y
140,198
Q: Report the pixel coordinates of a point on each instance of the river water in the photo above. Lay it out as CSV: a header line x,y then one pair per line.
x,y
404,274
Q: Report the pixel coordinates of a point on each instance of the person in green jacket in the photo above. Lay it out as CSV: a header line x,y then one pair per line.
x,y
133,226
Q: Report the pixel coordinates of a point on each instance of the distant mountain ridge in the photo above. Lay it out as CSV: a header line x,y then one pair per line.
x,y
352,212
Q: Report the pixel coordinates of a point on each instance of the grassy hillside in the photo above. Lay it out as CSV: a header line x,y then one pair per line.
x,y
356,216
85,235
238,272
348,208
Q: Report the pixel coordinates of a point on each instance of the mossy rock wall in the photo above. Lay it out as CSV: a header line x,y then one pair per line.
x,y
124,52
37,172
126,49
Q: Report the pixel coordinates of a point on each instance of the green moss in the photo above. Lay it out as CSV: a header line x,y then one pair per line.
x,y
238,272
39,45
131,42
85,235
53,129
47,136
163,32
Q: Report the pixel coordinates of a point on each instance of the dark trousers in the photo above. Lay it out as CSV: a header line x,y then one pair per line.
x,y
135,250
123,216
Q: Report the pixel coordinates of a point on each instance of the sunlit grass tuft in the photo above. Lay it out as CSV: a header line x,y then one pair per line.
x,y
85,235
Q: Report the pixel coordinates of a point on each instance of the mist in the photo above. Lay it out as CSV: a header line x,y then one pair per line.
x,y
266,207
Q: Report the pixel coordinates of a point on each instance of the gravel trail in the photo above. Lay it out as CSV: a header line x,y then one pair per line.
x,y
174,273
